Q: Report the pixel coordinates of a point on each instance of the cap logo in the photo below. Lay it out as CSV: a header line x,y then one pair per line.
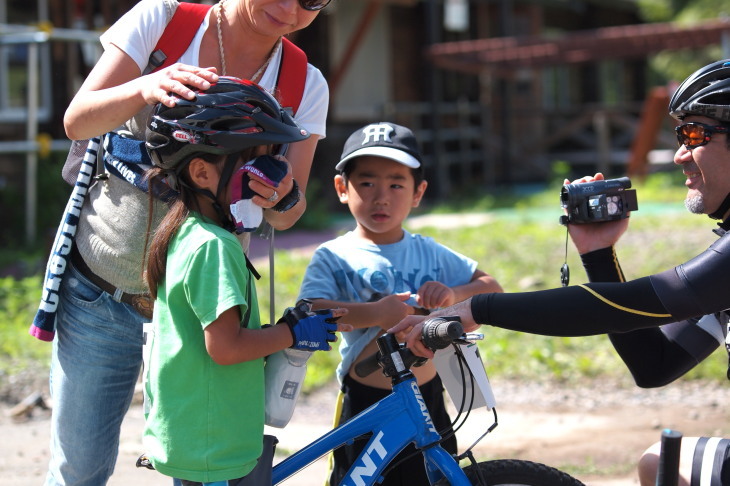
x,y
377,132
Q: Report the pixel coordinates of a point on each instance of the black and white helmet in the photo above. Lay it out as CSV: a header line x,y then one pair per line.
x,y
706,92
232,115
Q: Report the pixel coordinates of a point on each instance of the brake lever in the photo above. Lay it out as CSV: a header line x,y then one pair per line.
x,y
469,338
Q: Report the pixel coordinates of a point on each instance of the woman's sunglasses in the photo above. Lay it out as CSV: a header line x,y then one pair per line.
x,y
697,134
313,5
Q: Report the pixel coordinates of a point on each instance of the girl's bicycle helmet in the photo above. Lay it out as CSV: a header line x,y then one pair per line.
x,y
705,93
232,115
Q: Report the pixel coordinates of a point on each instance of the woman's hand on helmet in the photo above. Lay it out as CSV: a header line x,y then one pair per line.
x,y
267,196
178,79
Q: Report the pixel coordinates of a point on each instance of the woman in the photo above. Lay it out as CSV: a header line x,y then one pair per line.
x,y
98,345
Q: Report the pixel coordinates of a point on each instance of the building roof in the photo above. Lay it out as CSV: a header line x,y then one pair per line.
x,y
502,55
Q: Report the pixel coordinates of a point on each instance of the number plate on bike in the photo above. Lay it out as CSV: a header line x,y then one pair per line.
x,y
448,367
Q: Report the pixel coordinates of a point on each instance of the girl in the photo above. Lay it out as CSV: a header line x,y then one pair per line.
x,y
205,378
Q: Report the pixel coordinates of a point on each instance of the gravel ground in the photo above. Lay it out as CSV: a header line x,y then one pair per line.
x,y
595,431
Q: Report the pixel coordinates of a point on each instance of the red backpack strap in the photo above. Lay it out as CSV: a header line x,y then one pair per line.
x,y
292,75
178,35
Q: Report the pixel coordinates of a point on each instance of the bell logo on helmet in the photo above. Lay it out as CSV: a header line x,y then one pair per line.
x,y
183,136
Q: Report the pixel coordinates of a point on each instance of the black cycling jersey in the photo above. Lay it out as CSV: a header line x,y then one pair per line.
x,y
688,302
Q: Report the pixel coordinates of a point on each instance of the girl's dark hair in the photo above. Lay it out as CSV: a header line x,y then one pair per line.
x,y
180,207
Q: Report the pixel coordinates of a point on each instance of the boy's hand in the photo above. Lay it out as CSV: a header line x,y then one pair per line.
x,y
433,295
391,309
313,330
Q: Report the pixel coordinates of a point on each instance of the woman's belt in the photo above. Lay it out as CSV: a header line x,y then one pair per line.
x,y
142,303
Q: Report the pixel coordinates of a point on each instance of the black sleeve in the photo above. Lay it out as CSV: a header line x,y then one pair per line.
x,y
652,355
658,356
678,297
602,266
578,310
692,289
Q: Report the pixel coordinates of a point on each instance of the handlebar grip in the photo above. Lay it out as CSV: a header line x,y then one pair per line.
x,y
367,366
668,470
440,332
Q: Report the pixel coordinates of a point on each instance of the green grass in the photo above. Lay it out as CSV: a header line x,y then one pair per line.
x,y
18,303
523,247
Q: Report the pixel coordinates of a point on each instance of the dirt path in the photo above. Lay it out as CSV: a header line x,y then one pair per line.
x,y
597,433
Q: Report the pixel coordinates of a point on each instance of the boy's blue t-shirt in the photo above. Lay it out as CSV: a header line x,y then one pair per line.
x,y
349,269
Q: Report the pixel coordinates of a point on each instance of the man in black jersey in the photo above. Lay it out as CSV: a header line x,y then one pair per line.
x,y
661,325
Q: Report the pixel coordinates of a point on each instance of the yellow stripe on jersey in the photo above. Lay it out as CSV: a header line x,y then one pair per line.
x,y
620,307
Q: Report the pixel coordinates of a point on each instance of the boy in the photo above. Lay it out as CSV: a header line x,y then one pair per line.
x,y
381,273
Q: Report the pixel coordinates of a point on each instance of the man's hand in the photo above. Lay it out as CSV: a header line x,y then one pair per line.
x,y
413,326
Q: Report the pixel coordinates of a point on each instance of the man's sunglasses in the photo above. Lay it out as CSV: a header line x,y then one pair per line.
x,y
313,5
697,134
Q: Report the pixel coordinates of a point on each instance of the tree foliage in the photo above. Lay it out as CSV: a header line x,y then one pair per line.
x,y
676,65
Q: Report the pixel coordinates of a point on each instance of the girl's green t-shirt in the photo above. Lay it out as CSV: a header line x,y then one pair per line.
x,y
205,421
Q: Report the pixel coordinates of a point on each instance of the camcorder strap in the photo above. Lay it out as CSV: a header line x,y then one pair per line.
x,y
565,270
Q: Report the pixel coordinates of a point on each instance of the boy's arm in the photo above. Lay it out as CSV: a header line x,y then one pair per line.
x,y
481,283
434,295
384,313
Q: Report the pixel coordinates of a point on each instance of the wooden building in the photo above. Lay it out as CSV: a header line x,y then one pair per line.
x,y
496,90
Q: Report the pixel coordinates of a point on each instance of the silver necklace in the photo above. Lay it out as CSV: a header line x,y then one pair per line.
x,y
223,54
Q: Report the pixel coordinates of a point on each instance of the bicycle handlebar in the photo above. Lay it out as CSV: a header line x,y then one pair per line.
x,y
437,333
668,469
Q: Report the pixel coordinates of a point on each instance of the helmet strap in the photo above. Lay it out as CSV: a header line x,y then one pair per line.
x,y
224,216
202,192
724,207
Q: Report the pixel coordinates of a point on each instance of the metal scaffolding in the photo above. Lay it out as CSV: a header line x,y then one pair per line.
x,y
38,106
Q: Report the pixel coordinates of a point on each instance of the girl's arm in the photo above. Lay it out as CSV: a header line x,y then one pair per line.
x,y
228,343
115,91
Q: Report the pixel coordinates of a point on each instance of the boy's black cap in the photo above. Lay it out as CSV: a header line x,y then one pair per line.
x,y
382,139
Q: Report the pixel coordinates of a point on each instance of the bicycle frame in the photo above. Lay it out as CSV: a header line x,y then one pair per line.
x,y
395,421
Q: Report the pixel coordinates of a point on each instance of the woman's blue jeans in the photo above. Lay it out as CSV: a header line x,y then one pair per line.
x,y
97,356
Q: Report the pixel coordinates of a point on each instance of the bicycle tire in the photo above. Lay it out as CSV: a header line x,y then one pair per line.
x,y
505,472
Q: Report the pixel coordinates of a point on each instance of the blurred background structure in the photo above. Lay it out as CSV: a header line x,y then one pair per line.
x,y
497,91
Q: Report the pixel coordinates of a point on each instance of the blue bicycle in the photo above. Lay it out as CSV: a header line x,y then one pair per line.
x,y
402,418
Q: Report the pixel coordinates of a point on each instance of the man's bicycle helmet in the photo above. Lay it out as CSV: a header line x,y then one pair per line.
x,y
232,115
705,93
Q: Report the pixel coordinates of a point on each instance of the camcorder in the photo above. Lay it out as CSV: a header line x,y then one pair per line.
x,y
597,201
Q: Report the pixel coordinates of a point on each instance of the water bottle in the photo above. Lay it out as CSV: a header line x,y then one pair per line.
x,y
284,374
